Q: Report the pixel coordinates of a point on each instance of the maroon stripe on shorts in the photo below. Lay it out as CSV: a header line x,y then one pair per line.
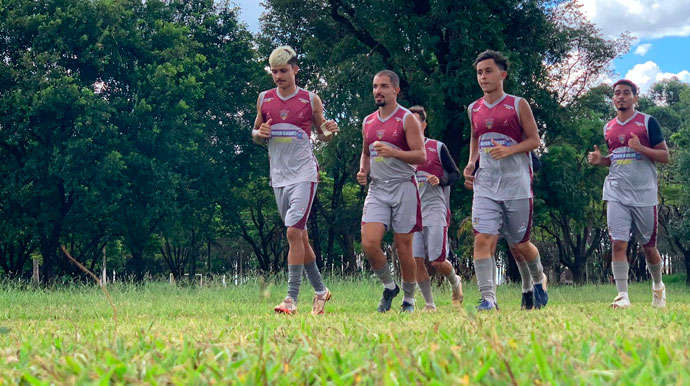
x,y
652,240
302,223
529,223
418,226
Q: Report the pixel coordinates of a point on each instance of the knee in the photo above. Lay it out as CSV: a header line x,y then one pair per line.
x,y
619,246
369,245
294,235
520,250
483,241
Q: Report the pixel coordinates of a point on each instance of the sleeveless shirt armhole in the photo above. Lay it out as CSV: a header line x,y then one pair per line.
x,y
407,113
311,100
469,112
262,95
517,106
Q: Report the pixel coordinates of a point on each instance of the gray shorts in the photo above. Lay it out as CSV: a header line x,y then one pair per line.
x,y
511,219
294,203
395,204
642,219
432,241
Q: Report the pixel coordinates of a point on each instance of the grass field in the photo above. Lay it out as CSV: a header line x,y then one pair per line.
x,y
188,335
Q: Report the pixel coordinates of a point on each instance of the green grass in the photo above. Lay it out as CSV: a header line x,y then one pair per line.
x,y
186,335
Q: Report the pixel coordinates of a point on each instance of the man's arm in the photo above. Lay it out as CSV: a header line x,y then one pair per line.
x,y
452,171
262,130
468,171
415,140
364,160
318,120
658,152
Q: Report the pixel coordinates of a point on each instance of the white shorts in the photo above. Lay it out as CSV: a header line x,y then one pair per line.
x,y
432,241
512,219
294,203
395,204
642,219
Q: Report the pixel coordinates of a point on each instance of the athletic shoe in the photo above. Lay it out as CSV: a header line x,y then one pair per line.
x,y
320,302
486,305
406,307
527,300
540,295
387,299
659,297
429,308
457,293
621,301
287,306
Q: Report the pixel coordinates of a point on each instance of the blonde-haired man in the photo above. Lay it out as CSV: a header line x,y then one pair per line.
x,y
285,118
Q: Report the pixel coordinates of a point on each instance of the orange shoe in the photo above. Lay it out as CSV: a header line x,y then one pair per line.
x,y
287,306
320,302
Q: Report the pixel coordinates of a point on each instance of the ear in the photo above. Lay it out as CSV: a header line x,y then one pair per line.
x,y
504,75
295,68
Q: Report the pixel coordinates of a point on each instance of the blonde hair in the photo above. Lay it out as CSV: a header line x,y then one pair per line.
x,y
282,55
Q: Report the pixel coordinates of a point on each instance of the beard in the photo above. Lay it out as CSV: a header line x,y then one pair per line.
x,y
381,103
622,108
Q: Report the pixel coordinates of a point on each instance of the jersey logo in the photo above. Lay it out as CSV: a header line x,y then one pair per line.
x,y
369,122
509,107
639,124
621,138
431,149
267,99
505,123
379,133
284,114
476,110
395,133
300,115
398,119
303,100
489,123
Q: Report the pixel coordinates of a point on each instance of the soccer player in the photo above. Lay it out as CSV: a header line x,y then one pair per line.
x,y
635,143
503,133
285,118
435,176
392,143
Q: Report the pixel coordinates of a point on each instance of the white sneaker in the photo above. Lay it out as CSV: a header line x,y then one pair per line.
x,y
621,301
659,297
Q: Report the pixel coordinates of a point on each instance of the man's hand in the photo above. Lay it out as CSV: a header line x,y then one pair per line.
x,y
433,180
499,151
634,143
594,157
329,128
383,150
362,177
265,129
469,178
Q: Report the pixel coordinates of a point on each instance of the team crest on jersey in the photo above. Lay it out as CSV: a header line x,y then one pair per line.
x,y
379,133
509,107
303,100
489,123
284,114
621,138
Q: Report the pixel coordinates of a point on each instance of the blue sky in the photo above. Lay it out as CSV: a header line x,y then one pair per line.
x,y
661,29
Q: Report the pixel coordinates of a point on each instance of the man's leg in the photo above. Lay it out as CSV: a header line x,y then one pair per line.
x,y
645,224
372,235
446,269
403,244
484,269
321,293
419,248
619,221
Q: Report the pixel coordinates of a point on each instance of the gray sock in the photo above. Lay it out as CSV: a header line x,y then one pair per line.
x,y
384,274
655,271
408,291
425,289
453,279
315,277
620,275
484,269
294,279
536,270
525,276
494,272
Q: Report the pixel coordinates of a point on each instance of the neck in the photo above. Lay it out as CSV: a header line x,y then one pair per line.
x,y
385,111
625,114
492,96
284,92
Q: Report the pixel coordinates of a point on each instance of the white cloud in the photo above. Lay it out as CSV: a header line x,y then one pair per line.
x,y
642,49
648,73
644,19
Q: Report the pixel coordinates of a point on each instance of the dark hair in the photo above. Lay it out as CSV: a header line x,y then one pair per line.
x,y
627,82
395,79
500,60
417,109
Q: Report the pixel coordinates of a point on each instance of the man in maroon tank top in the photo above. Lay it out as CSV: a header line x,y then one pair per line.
x,y
392,143
284,120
